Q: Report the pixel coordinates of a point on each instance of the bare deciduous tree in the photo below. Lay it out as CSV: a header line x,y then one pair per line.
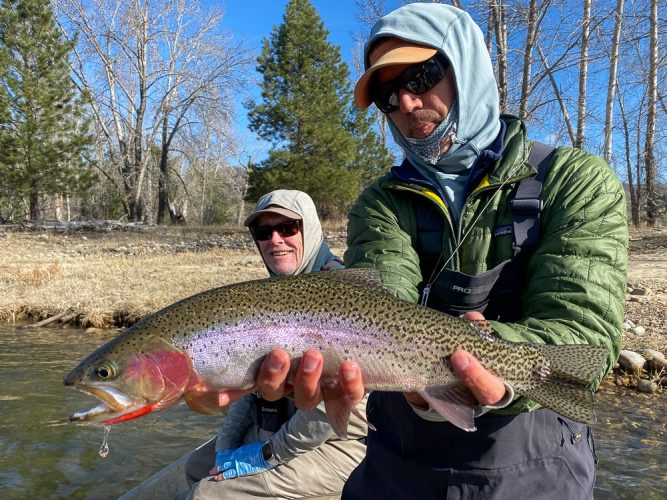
x,y
652,92
534,18
583,76
368,12
146,64
611,82
499,19
634,193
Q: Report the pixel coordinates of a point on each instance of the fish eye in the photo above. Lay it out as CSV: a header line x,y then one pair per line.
x,y
105,371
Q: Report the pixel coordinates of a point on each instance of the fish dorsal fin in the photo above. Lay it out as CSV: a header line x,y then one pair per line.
x,y
366,277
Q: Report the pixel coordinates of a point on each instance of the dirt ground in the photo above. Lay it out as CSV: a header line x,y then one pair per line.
x,y
113,278
647,281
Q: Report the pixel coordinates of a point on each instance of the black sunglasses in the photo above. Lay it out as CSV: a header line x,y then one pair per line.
x,y
415,79
284,229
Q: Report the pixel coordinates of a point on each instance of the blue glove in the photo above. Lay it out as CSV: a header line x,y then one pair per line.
x,y
243,461
222,456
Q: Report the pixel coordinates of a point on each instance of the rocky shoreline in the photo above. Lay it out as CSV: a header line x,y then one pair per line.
x,y
644,369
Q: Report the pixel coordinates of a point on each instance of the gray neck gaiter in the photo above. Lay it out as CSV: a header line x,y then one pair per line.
x,y
430,148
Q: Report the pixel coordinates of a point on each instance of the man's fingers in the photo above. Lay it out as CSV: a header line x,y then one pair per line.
x,y
307,392
215,474
226,397
473,316
485,386
351,381
272,377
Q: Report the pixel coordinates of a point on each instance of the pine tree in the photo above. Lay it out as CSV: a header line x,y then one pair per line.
x,y
322,144
43,133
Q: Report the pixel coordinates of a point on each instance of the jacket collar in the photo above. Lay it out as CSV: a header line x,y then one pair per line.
x,y
407,172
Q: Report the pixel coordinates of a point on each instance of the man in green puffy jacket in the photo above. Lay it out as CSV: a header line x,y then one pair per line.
x,y
441,230
455,227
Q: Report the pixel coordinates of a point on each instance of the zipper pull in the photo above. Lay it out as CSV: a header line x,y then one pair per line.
x,y
425,292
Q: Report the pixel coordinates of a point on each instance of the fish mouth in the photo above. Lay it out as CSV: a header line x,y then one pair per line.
x,y
116,406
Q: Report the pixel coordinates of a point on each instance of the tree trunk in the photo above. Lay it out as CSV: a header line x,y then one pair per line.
x,y
639,164
34,206
163,177
634,200
532,24
611,84
649,145
583,76
500,26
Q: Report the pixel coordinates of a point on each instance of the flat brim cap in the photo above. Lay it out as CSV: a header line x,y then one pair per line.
x,y
389,52
271,210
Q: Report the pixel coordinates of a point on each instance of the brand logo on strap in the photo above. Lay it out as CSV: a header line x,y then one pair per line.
x,y
501,230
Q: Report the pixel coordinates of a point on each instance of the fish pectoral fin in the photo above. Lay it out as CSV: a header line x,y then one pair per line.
x,y
204,402
338,412
453,402
355,411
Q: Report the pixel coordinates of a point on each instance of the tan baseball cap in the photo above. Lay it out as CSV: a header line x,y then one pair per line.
x,y
389,52
277,202
273,209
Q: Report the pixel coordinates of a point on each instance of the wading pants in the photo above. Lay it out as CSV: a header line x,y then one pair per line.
x,y
535,455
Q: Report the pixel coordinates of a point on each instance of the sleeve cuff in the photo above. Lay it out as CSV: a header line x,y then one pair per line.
x,y
503,403
433,416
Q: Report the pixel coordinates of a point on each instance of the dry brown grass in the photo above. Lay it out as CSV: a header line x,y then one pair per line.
x,y
43,276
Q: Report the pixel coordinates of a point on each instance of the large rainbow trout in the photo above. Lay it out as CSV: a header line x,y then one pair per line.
x,y
217,340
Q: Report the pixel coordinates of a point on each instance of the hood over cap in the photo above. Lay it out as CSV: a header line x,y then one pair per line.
x,y
295,205
453,33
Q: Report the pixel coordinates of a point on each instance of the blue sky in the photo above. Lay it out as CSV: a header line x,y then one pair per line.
x,y
252,20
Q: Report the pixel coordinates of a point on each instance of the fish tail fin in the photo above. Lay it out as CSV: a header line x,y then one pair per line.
x,y
564,380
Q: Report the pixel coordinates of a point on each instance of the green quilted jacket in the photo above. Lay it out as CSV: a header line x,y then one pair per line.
x,y
576,277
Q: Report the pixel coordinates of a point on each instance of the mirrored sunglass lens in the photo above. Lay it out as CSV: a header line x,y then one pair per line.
x,y
288,228
419,83
427,77
387,101
262,233
414,80
390,102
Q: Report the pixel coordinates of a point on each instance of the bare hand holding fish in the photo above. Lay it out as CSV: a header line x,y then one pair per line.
x,y
218,339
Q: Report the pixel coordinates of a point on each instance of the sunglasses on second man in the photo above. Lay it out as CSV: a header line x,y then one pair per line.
x,y
415,79
284,230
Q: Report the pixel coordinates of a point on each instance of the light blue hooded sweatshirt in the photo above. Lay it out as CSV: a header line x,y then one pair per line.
x,y
452,32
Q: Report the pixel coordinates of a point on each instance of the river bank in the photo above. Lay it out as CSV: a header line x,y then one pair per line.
x,y
112,275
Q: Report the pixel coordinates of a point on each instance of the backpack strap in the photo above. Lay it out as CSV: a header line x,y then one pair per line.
x,y
527,203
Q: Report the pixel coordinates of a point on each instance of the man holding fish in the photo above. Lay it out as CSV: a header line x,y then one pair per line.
x,y
454,228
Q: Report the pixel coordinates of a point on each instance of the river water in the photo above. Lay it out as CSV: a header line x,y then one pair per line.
x,y
43,455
